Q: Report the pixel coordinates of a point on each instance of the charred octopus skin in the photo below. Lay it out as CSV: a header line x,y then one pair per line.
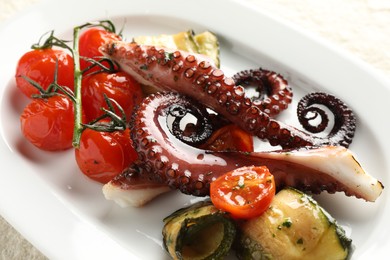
x,y
187,80
191,170
344,118
274,93
196,77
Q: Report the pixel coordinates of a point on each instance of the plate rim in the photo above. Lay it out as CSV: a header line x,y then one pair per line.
x,y
73,219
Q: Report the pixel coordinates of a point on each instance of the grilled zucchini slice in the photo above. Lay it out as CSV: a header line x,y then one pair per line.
x,y
205,43
294,227
198,232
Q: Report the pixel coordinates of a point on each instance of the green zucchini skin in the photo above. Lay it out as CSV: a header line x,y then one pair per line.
x,y
294,227
198,232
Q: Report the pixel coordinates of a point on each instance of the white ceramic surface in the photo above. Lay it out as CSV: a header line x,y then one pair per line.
x,y
66,216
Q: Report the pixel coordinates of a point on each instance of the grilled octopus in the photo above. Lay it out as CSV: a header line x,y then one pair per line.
x,y
188,83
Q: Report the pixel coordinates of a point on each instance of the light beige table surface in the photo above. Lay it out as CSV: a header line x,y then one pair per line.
x,y
361,27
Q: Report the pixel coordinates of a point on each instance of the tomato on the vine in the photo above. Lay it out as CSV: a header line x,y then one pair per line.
x,y
229,138
103,155
90,41
39,65
118,86
48,123
245,192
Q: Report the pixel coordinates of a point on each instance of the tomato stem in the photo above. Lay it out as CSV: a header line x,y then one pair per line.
x,y
48,40
78,74
110,68
78,127
116,122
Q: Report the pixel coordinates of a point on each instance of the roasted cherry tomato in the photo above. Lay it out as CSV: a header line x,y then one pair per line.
x,y
90,41
103,155
245,192
118,86
48,123
229,138
39,66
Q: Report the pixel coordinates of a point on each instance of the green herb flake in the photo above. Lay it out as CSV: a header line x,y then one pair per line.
x,y
152,140
287,223
300,241
144,67
168,56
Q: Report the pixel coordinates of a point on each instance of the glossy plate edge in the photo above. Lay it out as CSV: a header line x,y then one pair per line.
x,y
42,229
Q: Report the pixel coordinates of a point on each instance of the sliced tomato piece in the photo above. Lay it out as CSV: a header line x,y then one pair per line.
x,y
245,192
229,138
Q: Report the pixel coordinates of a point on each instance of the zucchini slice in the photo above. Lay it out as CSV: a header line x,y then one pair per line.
x,y
198,232
208,45
205,43
182,41
294,227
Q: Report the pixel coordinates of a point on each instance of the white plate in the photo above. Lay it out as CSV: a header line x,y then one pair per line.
x,y
66,216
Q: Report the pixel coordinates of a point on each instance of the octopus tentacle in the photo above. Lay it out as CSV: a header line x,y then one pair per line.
x,y
195,76
191,170
132,188
344,118
160,152
274,93
193,134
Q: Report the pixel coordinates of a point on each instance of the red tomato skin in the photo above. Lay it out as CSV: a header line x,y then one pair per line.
x,y
48,123
103,155
118,86
90,42
248,200
39,65
229,138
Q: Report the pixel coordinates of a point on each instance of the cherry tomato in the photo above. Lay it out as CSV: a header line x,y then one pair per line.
x,y
48,123
39,65
103,155
245,192
229,138
90,41
118,86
